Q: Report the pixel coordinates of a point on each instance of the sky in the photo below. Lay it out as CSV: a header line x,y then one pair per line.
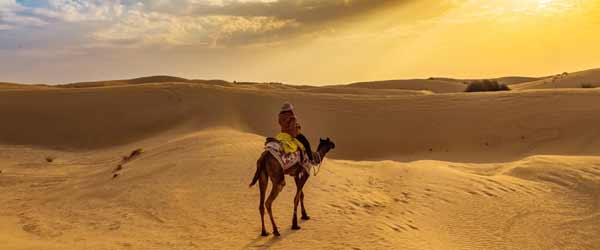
x,y
313,42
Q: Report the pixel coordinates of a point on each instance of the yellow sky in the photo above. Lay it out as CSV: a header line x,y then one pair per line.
x,y
497,38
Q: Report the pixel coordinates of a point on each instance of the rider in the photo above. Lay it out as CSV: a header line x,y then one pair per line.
x,y
290,135
300,137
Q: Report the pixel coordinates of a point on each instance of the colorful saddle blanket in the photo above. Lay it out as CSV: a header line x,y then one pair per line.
x,y
286,160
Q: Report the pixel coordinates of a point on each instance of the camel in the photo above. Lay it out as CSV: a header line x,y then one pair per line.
x,y
267,167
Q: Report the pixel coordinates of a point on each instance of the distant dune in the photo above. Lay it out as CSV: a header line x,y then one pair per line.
x,y
419,164
340,90
566,80
411,86
92,118
501,80
515,79
141,80
7,85
433,85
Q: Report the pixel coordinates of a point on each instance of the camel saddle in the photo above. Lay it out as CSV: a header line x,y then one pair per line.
x,y
275,147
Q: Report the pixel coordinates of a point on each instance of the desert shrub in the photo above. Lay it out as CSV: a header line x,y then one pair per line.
x,y
587,86
133,154
486,85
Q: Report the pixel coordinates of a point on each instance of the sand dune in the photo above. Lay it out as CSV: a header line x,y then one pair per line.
x,y
567,80
515,79
485,126
140,80
411,170
502,80
8,86
409,86
343,90
191,192
432,85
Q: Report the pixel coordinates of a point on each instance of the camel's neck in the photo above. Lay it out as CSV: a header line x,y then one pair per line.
x,y
322,153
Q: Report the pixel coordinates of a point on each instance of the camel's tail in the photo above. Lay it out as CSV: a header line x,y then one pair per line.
x,y
259,167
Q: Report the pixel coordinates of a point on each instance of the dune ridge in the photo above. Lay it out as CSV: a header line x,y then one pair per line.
x,y
434,85
404,86
487,126
564,80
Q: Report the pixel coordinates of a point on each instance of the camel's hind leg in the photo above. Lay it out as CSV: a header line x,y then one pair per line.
x,y
262,183
277,187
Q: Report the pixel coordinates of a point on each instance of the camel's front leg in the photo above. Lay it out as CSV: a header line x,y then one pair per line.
x,y
296,200
303,210
305,216
299,186
300,181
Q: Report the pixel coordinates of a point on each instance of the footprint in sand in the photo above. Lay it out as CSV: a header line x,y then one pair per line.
x,y
114,226
472,192
488,194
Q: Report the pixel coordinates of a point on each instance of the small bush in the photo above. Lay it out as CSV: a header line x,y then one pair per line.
x,y
49,159
133,154
486,85
118,168
587,86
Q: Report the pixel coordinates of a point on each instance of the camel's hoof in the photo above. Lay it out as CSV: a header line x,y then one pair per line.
x,y
295,227
276,233
264,234
305,217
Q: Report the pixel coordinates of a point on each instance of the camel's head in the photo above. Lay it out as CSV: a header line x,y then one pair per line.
x,y
325,145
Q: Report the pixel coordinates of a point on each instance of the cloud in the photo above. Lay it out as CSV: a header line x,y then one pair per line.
x,y
15,15
154,28
6,4
78,10
304,11
215,22
238,22
118,23
208,23
310,17
12,16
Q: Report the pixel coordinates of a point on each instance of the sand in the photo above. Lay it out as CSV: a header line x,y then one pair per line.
x,y
411,170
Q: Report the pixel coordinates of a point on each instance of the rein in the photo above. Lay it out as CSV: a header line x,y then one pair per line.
x,y
317,168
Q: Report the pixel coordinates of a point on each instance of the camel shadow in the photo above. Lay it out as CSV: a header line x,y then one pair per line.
x,y
254,244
